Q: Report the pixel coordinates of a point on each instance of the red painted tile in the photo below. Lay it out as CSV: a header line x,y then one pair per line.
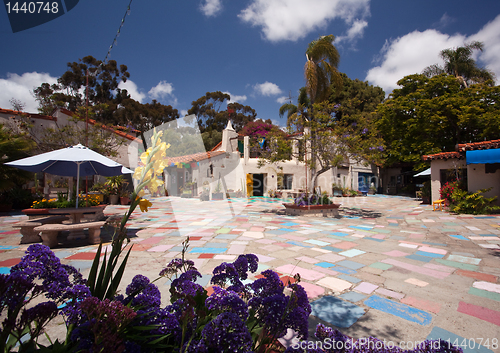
x,y
262,276
287,280
10,262
141,247
82,256
206,256
11,232
423,304
480,312
195,238
477,275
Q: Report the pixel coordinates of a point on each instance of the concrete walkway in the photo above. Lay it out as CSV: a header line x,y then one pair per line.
x,y
389,267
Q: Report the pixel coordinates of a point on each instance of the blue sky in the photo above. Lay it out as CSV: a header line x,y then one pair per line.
x,y
176,51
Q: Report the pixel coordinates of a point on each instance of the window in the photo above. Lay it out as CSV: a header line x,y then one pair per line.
x,y
285,181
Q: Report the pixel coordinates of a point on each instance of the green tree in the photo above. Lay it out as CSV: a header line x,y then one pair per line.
x,y
13,146
213,112
71,89
432,115
459,63
320,70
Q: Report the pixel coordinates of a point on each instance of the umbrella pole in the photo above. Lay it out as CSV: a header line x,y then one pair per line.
x,y
77,182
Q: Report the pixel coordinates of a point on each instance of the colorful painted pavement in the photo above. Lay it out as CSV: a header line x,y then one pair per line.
x,y
389,267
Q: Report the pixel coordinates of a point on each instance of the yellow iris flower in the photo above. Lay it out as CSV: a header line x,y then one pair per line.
x,y
144,204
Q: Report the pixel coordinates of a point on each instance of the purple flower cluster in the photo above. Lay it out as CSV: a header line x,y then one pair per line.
x,y
227,300
234,273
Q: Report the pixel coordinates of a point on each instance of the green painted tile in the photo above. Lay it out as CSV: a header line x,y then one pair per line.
x,y
380,266
484,294
457,265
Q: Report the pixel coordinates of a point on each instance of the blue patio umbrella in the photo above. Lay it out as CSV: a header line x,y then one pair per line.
x,y
71,161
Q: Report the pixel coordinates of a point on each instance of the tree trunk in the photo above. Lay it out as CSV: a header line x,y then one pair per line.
x,y
316,175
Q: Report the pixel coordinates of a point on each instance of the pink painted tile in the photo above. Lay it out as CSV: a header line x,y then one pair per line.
x,y
378,236
293,237
272,248
265,241
345,245
236,249
264,258
396,253
490,287
418,269
309,275
416,282
480,312
423,304
285,245
151,241
257,229
365,287
160,248
390,293
326,271
330,257
433,250
312,290
417,236
307,259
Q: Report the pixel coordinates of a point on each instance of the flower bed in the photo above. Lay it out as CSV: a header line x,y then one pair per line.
x,y
331,210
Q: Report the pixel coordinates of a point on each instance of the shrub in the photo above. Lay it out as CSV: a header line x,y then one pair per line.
x,y
472,202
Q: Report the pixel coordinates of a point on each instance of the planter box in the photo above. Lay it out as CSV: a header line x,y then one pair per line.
x,y
217,196
312,210
34,213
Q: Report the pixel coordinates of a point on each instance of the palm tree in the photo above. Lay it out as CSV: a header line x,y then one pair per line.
x,y
320,70
459,63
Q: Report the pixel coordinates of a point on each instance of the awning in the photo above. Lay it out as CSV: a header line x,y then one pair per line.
x,y
483,156
424,173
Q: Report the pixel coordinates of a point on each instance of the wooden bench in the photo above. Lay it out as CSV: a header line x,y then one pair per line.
x,y
438,204
49,232
27,228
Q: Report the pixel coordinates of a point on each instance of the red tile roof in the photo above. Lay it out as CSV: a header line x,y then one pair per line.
x,y
461,148
484,145
196,157
30,115
443,155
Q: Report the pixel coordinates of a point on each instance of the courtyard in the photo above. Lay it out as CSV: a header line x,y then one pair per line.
x,y
388,266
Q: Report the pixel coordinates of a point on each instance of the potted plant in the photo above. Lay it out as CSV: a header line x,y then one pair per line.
x,y
125,198
337,190
114,186
426,193
99,190
187,190
372,190
218,194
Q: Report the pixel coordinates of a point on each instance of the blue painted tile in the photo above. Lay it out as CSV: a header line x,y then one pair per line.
x,y
289,224
457,236
488,235
349,278
227,236
361,227
4,270
419,258
339,234
353,296
439,333
429,254
324,264
80,265
207,250
344,270
375,239
336,311
331,248
298,243
7,247
350,264
398,309
215,245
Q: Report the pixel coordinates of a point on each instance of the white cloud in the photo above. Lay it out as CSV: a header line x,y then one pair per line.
x,y
267,89
236,99
295,19
408,55
356,31
283,100
211,7
133,90
162,90
490,36
20,87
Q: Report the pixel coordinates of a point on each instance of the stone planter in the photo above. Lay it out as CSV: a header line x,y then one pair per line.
x,y
312,210
124,200
217,196
34,213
